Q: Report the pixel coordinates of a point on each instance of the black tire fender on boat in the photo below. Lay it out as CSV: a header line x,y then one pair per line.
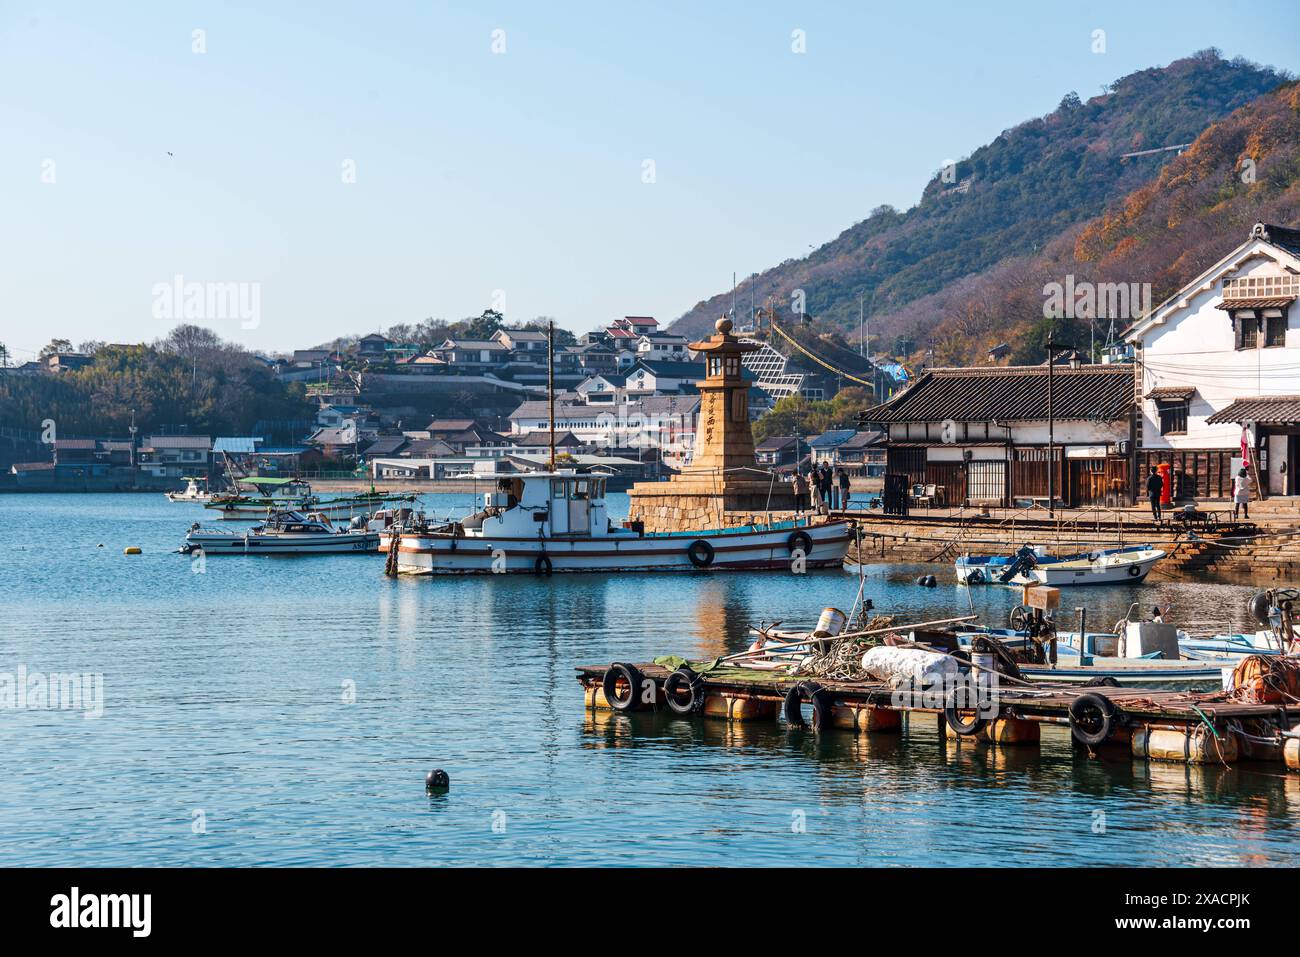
x,y
821,705
952,715
629,675
1134,571
684,681
1092,718
799,540
1105,681
700,553
543,564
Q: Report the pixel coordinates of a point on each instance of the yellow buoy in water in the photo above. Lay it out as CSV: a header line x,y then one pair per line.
x,y
131,550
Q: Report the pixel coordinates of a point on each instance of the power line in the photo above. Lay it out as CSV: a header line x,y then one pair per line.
x,y
819,360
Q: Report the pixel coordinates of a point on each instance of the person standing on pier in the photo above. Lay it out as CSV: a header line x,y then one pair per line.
x,y
844,487
800,491
1155,489
1241,494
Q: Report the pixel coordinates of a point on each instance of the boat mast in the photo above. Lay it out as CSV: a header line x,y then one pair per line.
x,y
550,384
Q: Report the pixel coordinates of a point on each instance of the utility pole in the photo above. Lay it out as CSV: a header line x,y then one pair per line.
x,y
1051,435
550,384
861,342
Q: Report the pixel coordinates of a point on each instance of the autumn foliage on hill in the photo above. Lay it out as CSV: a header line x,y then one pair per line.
x,y
1009,200
1242,170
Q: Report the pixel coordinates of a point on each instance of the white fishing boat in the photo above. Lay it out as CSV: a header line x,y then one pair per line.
x,y
1028,566
196,490
285,533
270,495
544,522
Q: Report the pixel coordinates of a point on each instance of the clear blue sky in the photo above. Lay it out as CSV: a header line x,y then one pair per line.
x,y
518,171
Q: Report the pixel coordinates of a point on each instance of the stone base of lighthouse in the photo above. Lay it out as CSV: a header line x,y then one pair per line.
x,y
694,502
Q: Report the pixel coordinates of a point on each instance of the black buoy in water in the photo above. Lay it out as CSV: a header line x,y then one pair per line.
x,y
921,581
930,581
437,780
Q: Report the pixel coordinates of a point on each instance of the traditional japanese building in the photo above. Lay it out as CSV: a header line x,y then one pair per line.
x,y
1218,364
985,435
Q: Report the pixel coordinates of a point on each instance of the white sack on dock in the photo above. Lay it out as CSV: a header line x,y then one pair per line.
x,y
904,665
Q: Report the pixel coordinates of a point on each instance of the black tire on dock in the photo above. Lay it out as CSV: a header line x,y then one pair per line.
x,y
799,540
629,675
543,565
1092,718
952,715
684,681
807,691
700,553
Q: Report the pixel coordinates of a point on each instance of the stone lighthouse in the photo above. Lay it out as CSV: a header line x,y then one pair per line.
x,y
722,485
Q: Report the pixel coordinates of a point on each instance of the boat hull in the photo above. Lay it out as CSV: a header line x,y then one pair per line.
x,y
1163,676
758,550
231,544
1104,568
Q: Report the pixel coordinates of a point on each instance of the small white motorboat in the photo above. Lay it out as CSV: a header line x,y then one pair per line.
x,y
1030,566
196,490
1147,655
543,522
285,533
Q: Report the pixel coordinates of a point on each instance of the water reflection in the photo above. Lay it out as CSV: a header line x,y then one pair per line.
x,y
227,685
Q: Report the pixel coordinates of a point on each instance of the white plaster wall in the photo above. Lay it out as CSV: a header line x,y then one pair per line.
x,y
1195,347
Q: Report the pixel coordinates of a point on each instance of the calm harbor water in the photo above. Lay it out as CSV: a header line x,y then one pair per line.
x,y
229,737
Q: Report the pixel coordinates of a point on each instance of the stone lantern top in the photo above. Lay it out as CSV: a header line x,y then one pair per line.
x,y
720,344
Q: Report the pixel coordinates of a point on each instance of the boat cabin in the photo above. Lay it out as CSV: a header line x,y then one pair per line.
x,y
295,523
545,504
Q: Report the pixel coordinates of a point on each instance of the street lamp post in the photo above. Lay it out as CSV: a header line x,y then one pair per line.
x,y
1051,420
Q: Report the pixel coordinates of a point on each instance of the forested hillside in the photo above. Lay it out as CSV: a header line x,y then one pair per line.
x,y
1008,200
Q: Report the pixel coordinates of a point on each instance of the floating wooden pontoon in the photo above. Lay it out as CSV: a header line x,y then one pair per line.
x,y
1189,727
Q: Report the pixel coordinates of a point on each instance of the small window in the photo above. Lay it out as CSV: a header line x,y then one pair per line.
x,y
1274,331
1173,417
1247,331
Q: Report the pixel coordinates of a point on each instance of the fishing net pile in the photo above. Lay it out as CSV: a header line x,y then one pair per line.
x,y
840,659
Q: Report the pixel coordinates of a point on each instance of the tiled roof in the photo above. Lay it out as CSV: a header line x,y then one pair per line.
x,y
344,436
1172,392
1266,409
1284,236
180,442
1011,394
1275,302
775,443
427,448
74,443
492,345
861,440
543,439
673,369
386,445
832,438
